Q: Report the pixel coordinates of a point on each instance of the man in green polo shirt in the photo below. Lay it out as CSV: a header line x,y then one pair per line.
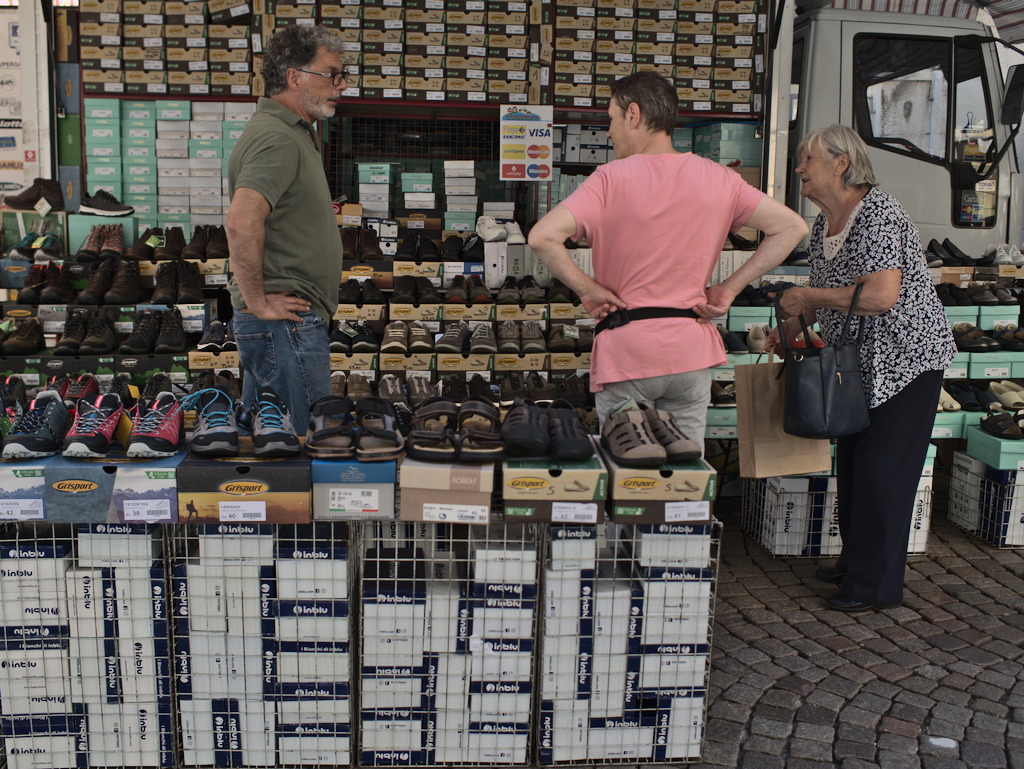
x,y
283,239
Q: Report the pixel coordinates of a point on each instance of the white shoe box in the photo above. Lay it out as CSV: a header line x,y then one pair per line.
x,y
247,543
672,670
314,667
50,751
313,750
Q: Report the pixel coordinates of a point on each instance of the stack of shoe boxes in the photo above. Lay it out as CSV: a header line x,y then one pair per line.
x,y
460,189
375,180
738,74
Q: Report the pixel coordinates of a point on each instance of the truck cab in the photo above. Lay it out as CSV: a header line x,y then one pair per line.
x,y
925,93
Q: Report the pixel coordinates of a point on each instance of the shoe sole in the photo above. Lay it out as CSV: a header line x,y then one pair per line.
x,y
214,349
365,347
20,452
102,212
394,349
142,450
223,448
80,450
334,347
319,453
277,449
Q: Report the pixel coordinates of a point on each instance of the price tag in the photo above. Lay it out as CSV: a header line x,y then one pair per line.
x,y
574,512
433,511
21,509
955,373
416,224
243,511
216,280
680,512
943,432
151,510
721,432
354,500
995,373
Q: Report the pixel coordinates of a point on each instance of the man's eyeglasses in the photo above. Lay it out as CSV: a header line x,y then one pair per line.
x,y
336,78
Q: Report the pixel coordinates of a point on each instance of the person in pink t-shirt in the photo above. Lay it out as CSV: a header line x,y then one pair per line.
x,y
656,220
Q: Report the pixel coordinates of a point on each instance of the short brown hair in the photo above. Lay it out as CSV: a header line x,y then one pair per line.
x,y
653,94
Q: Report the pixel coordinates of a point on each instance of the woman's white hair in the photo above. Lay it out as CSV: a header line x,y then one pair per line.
x,y
839,140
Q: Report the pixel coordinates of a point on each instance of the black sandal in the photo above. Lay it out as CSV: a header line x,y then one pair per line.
x,y
479,440
378,438
432,438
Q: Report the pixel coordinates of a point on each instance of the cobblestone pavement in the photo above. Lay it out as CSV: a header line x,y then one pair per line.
x,y
937,683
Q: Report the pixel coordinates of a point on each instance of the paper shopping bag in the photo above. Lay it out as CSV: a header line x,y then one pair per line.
x,y
766,450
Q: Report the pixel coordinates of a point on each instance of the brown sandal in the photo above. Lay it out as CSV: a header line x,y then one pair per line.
x,y
433,438
479,440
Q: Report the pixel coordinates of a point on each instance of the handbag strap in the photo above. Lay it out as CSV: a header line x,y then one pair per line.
x,y
846,326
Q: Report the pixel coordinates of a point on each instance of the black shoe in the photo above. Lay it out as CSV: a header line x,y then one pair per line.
x,y
405,290
229,344
190,283
143,336
480,388
410,248
13,391
196,248
100,278
453,248
41,188
473,250
35,282
453,387
27,338
102,203
350,292
166,289
122,386
75,329
840,602
101,337
127,285
213,338
156,384
174,242
429,252
172,334
141,249
364,340
372,294
830,574
341,337
426,291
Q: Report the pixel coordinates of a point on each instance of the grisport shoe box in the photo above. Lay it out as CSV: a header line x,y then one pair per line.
x,y
556,492
351,490
114,489
244,490
445,492
23,489
670,493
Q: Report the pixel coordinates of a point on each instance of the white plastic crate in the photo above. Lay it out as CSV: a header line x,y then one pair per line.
x,y
986,502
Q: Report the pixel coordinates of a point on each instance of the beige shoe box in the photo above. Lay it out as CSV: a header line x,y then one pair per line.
x,y
669,493
445,492
557,492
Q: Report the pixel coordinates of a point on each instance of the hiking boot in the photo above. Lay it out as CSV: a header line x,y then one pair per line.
x,y
404,291
82,386
41,188
126,287
95,422
58,285
213,338
396,338
171,338
532,337
421,339
351,292
525,429
26,246
113,242
512,386
217,245
538,388
477,292
35,282
75,328
142,249
482,341
454,339
196,247
174,242
409,250
144,334
158,428
569,439
272,431
529,291
27,338
90,250
372,294
341,337
100,336
190,283
100,278
508,293
331,431
166,289
456,293
627,437
364,340
122,387
38,432
156,384
452,248
102,203
349,242
558,292
558,341
678,446
426,291
12,389
369,245
216,431
473,251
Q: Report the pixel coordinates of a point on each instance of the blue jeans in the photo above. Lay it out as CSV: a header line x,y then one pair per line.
x,y
292,358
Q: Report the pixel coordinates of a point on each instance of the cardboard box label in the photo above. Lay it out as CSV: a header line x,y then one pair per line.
x,y
354,500
147,510
21,509
433,511
687,511
574,512
236,512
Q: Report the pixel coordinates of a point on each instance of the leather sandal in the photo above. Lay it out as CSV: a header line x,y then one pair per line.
x,y
678,447
1009,395
478,439
378,438
628,439
1002,425
331,433
432,438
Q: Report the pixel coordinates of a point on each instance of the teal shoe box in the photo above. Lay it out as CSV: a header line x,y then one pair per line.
x,y
993,365
969,314
959,367
1004,315
742,318
948,424
1000,453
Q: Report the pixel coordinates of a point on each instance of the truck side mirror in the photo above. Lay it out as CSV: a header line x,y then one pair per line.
x,y
1013,97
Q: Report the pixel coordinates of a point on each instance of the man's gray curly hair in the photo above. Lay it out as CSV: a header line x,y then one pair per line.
x,y
294,47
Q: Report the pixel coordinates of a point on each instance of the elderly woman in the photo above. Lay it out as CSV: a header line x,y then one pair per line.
x,y
863,235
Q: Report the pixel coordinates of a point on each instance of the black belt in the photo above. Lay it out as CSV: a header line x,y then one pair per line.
x,y
622,317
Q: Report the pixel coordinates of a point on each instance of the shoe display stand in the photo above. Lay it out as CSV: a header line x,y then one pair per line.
x,y
373,643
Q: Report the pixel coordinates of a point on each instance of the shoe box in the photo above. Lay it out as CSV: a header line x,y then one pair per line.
x,y
194,317
244,489
379,270
670,493
114,489
16,224
445,492
142,367
998,453
29,368
721,423
23,489
208,361
103,366
351,490
555,492
986,501
447,362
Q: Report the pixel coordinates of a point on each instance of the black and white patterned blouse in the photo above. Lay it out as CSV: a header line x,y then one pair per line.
x,y
914,335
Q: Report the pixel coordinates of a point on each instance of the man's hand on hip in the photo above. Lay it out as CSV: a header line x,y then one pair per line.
x,y
280,306
600,301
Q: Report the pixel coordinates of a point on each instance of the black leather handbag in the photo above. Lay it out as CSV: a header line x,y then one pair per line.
x,y
824,386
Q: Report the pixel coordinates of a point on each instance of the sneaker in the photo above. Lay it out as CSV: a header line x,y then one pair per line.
x,y
477,292
509,292
512,387
95,422
452,248
473,251
158,428
51,247
372,294
174,242
538,388
26,200
453,387
126,287
359,387
558,341
100,337
482,341
396,338
364,340
172,334
213,338
529,291
156,384
390,389
508,337
144,334
272,431
58,285
456,293
90,250
196,247
341,337
454,338
480,388
216,431
27,338
12,389
75,328
122,387
35,282
489,230
421,339
229,344
419,388
217,245
628,440
166,288
678,446
113,242
101,276
38,432
569,439
573,390
525,429
58,383
190,283
26,246
102,203
513,234
82,386
532,337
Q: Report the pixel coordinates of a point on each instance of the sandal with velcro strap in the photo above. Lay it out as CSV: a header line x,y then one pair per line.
x,y
433,437
331,433
479,440
378,438
628,439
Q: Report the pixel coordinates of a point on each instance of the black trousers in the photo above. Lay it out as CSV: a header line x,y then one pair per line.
x,y
878,471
